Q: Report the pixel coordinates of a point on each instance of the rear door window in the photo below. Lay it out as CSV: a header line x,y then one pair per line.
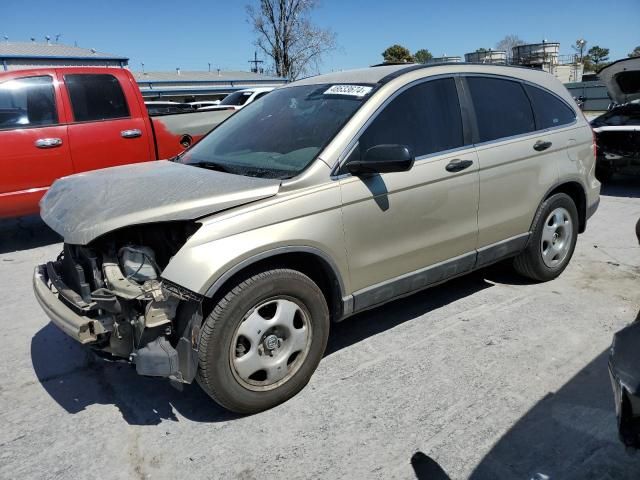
x,y
426,118
96,97
549,110
501,106
27,102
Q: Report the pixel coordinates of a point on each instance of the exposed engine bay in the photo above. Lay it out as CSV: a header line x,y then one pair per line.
x,y
131,312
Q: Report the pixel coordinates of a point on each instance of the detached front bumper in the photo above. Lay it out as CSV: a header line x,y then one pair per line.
x,y
48,292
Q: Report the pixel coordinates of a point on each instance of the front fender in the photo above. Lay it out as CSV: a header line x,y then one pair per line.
x,y
202,267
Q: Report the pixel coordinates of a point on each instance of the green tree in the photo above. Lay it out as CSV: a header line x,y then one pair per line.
x,y
579,47
422,56
396,54
635,53
598,56
481,50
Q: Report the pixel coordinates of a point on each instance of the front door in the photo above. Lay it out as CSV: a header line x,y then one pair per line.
x,y
406,230
33,136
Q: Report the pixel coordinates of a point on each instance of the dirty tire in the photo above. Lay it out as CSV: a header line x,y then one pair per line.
x,y
216,372
530,263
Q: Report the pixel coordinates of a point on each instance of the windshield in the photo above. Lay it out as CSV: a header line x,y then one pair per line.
x,y
279,135
237,98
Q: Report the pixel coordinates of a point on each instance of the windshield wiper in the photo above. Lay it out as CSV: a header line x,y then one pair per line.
x,y
211,166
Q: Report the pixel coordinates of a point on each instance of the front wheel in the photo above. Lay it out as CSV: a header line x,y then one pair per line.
x,y
553,240
263,341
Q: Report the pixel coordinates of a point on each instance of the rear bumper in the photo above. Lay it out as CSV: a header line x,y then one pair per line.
x,y
82,329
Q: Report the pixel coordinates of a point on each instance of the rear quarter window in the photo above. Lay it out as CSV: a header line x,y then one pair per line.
x,y
549,110
96,97
501,107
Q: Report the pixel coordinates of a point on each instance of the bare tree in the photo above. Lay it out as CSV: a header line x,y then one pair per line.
x,y
286,34
508,42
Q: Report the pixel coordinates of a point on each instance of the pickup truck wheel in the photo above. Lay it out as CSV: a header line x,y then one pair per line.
x,y
263,341
553,240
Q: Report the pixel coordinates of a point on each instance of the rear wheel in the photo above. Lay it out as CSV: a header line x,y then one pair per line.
x,y
552,241
263,341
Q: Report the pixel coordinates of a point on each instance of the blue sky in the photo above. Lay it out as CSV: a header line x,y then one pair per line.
x,y
189,34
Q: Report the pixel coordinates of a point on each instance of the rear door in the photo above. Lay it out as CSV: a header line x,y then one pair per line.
x,y
107,126
517,163
33,137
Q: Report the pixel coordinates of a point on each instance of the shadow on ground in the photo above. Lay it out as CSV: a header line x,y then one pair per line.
x,y
25,233
570,434
76,379
622,186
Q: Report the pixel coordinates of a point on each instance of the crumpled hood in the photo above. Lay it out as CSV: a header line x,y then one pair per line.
x,y
622,79
85,206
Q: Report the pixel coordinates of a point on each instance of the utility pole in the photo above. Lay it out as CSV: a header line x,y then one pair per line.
x,y
255,62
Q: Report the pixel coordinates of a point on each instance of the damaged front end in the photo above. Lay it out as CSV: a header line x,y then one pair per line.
x,y
110,296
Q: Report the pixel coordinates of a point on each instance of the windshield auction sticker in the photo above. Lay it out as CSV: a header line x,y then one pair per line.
x,y
350,90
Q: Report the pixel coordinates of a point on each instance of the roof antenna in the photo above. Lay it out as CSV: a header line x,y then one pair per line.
x,y
6,39
48,39
142,63
33,39
58,35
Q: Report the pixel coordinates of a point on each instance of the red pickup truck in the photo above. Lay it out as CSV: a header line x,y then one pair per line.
x,y
59,121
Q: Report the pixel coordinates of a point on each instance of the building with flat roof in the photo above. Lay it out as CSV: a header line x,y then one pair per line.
x,y
173,85
21,55
189,85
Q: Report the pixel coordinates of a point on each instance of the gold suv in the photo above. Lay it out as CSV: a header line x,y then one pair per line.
x,y
326,197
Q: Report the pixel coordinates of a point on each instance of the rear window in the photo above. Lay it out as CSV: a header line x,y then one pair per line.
x,y
237,98
96,97
26,102
549,110
620,116
502,108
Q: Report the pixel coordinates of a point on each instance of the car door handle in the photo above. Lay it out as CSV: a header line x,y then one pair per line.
x,y
133,133
539,146
48,142
458,165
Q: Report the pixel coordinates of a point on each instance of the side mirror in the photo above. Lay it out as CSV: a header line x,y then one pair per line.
x,y
383,159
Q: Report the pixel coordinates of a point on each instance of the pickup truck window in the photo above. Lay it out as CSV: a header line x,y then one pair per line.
x,y
96,97
426,118
27,102
280,135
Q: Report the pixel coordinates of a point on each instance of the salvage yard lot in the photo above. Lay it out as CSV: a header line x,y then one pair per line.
x,y
490,376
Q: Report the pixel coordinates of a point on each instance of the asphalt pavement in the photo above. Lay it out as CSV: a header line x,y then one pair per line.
x,y
485,377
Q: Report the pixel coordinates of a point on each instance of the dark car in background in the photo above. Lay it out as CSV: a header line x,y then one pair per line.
x,y
618,131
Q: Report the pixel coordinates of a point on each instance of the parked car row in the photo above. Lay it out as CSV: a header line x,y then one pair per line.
x,y
233,101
